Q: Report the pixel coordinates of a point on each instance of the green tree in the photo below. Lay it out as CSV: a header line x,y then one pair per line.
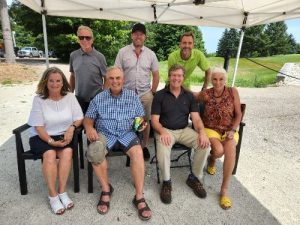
x,y
277,39
254,42
293,44
297,48
109,36
228,42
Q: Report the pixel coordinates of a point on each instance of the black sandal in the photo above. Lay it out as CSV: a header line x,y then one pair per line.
x,y
102,203
141,210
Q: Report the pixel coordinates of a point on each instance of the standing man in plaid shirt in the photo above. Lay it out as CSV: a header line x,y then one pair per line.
x,y
112,113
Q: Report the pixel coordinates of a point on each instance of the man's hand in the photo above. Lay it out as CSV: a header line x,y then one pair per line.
x,y
92,134
143,127
165,138
203,140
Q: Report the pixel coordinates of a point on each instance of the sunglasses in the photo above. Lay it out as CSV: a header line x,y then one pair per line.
x,y
88,38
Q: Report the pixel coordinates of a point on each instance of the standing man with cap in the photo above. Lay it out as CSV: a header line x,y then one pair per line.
x,y
190,58
138,63
87,67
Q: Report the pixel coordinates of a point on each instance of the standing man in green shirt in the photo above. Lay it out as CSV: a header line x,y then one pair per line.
x,y
189,58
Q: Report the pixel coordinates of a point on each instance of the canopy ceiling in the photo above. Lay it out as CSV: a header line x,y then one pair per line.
x,y
216,13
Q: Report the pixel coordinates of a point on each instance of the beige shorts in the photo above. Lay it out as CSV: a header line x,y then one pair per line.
x,y
146,100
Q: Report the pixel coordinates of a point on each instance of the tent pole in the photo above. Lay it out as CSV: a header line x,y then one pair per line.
x,y
45,39
238,56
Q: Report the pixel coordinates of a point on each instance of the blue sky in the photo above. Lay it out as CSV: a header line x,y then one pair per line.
x,y
211,35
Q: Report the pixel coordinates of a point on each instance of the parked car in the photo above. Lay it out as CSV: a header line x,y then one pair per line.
x,y
51,54
29,52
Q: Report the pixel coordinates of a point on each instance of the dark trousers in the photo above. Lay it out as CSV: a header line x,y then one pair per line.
x,y
83,104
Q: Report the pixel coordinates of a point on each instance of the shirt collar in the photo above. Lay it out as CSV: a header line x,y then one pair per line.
x,y
120,95
133,48
86,53
167,88
184,60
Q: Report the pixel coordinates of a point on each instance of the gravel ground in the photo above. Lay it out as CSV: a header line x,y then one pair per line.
x,y
265,189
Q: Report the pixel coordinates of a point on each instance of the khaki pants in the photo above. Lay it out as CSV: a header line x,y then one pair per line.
x,y
187,137
146,100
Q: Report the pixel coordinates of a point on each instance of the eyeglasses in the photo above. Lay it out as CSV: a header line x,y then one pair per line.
x,y
88,38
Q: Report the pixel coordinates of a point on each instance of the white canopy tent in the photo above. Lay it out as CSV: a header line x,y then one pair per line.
x,y
215,13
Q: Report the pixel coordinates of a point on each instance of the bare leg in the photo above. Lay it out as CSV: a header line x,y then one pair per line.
x,y
101,173
217,151
138,171
229,160
64,166
50,171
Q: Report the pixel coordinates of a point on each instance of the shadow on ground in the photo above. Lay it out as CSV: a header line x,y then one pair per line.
x,y
185,208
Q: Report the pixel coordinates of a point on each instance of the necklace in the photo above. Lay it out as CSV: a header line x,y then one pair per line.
x,y
220,94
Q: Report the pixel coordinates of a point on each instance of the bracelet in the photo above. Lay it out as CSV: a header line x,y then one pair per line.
x,y
73,125
50,140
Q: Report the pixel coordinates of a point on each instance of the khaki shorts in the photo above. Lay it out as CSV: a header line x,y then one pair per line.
x,y
146,100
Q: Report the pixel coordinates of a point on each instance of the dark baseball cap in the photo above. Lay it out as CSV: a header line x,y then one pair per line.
x,y
139,27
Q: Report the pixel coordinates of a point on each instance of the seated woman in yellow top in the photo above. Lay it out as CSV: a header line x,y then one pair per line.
x,y
222,116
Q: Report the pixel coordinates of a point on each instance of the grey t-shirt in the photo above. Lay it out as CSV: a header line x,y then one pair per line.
x,y
89,70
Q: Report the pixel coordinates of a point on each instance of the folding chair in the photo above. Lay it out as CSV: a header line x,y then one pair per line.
x,y
23,155
175,148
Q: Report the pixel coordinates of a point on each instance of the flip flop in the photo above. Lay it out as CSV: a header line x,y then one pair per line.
x,y
210,169
225,202
56,205
66,201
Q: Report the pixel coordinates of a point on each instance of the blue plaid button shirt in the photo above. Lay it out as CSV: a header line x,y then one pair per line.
x,y
114,116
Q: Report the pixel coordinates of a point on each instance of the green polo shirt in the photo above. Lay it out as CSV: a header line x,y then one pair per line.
x,y
197,59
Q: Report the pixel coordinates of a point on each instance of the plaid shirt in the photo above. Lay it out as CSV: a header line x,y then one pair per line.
x,y
114,116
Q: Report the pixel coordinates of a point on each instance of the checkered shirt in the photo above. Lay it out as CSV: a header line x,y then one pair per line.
x,y
114,116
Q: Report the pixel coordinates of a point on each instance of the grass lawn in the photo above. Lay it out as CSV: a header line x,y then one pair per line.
x,y
249,74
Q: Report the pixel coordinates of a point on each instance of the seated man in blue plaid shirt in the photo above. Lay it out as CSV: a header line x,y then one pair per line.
x,y
108,124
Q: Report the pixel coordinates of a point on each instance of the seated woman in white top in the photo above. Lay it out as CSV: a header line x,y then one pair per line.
x,y
54,116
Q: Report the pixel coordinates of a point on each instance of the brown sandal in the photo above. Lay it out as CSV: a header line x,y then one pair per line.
x,y
103,203
141,210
